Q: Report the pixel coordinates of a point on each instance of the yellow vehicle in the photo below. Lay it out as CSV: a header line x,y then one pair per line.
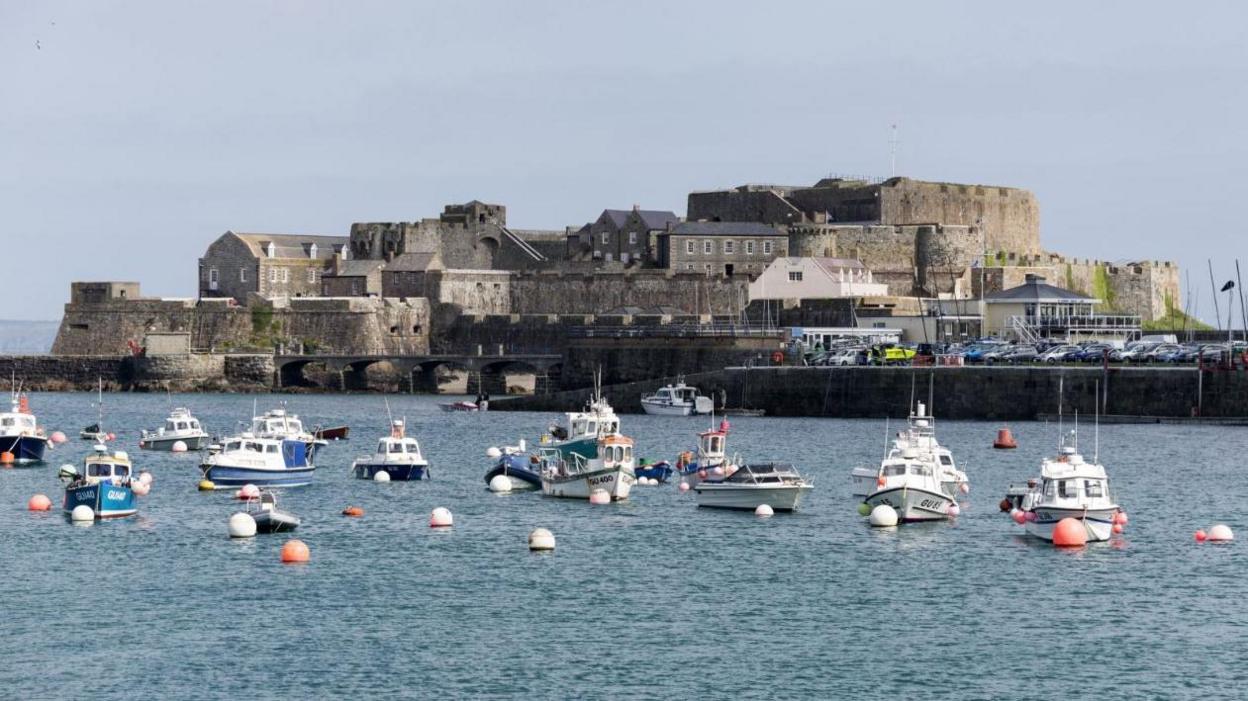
x,y
888,354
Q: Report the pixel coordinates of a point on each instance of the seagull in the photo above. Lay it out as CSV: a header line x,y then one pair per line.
x,y
37,46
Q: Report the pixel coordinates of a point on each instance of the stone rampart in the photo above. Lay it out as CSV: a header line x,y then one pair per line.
x,y
559,293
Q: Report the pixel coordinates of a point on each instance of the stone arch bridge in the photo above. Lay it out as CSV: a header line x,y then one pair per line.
x,y
485,372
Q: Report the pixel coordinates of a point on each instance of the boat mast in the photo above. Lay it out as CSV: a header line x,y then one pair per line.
x,y
1096,430
1061,389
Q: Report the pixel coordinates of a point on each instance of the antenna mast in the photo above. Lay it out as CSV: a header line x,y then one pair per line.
x,y
892,151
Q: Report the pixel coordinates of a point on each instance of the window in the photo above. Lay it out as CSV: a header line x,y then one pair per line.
x,y
242,275
767,248
271,250
749,248
795,276
1093,488
708,247
606,237
730,247
632,237
312,251
691,247
272,274
212,276
689,266
311,275
285,274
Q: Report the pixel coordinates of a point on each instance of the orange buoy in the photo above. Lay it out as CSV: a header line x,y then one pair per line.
x,y
1005,440
295,551
7,458
1116,528
1120,518
353,511
1070,533
1200,536
39,502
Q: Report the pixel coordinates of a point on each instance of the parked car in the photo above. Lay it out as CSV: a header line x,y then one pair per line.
x,y
1134,352
847,356
1160,351
1094,352
1022,353
1060,354
1185,353
976,353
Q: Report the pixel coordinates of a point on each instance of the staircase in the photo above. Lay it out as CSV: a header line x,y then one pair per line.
x,y
524,245
1025,331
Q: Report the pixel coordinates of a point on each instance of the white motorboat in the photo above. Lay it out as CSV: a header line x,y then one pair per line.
x,y
909,482
575,475
677,400
264,462
1070,487
750,486
277,424
920,434
398,455
179,426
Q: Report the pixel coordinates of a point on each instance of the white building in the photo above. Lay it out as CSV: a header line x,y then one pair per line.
x,y
815,278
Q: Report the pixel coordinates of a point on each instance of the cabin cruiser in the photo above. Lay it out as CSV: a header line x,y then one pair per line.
x,y
277,424
1070,487
179,426
264,462
397,455
710,458
103,483
909,481
580,431
576,475
514,463
920,434
750,486
677,400
20,435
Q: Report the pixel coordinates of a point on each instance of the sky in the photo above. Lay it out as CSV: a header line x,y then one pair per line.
x,y
132,134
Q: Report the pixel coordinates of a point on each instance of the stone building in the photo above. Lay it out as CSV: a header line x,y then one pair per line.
x,y
720,248
407,275
1009,217
352,278
270,265
624,235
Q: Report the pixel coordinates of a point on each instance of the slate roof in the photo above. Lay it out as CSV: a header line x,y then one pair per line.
x,y
724,228
356,268
1037,290
651,218
292,245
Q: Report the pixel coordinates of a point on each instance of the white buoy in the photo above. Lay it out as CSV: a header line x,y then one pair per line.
x,y
381,476
684,487
441,518
953,509
646,481
1221,532
67,472
178,447
500,484
140,488
493,452
541,539
81,513
764,510
242,525
599,496
883,516
146,478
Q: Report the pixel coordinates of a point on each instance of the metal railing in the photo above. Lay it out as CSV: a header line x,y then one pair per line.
x,y
674,331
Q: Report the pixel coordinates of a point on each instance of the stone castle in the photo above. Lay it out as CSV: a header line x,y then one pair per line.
x,y
400,287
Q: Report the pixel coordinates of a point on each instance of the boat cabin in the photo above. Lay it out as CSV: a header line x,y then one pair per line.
x,y
675,395
11,423
712,444
277,423
394,448
249,443
577,425
765,473
181,423
616,450
105,467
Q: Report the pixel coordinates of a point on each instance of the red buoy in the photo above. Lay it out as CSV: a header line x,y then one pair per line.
x,y
1070,533
1005,440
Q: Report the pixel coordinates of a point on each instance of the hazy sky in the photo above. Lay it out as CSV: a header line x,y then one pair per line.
x,y
133,134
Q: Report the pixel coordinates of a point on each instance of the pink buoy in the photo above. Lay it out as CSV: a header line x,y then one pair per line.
x,y
953,509
39,502
702,474
964,488
146,478
600,496
684,486
140,488
1200,536
1018,516
249,492
111,436
1030,516
1116,528
58,438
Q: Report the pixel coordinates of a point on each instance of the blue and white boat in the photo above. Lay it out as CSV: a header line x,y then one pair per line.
x,y
104,484
711,459
516,465
20,434
277,424
264,462
398,455
660,471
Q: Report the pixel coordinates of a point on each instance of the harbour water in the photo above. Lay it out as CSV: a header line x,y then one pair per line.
x,y
651,598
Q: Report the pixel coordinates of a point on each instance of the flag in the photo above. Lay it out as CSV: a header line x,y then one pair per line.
x,y
1229,284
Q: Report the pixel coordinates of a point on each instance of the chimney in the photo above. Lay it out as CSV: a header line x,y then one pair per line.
x,y
636,207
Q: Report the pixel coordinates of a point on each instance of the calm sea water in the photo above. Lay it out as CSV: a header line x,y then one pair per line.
x,y
645,599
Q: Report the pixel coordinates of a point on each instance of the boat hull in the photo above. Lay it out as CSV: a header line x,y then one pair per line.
x,y
25,449
336,433
660,471
616,481
658,409
273,521
229,476
398,473
105,499
520,477
165,443
747,497
1099,523
912,504
864,480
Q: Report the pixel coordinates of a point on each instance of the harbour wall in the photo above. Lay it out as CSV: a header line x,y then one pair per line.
x,y
186,372
958,393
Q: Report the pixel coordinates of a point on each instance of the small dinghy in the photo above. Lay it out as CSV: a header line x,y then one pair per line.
x,y
333,433
660,471
460,406
515,464
270,519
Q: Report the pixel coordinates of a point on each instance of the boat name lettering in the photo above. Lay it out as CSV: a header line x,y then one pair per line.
x,y
115,494
605,479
